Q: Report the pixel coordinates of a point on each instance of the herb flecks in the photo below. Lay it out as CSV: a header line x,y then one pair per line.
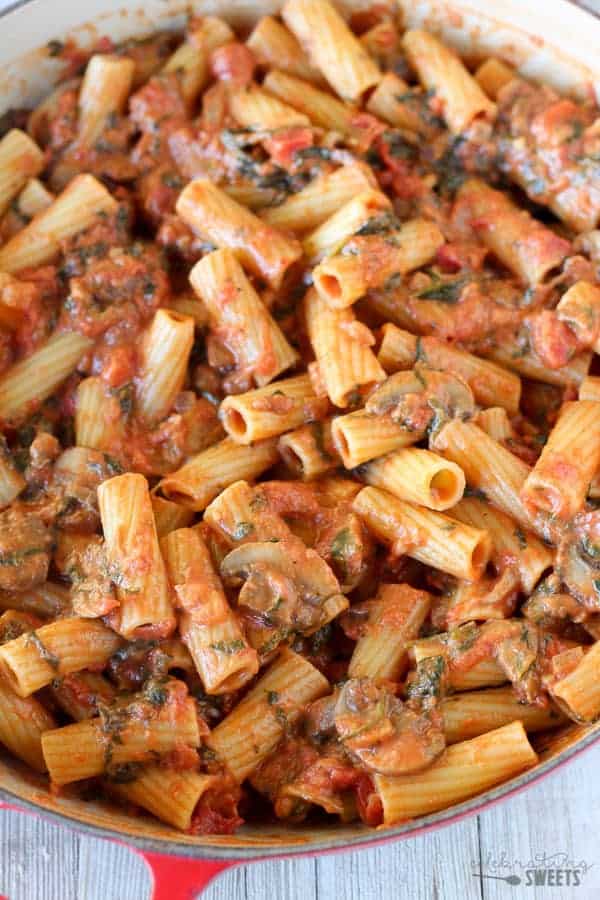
x,y
228,647
444,292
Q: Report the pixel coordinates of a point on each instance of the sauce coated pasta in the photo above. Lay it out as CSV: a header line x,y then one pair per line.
x,y
300,421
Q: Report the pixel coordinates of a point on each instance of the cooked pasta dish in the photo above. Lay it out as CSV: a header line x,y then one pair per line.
x,y
300,466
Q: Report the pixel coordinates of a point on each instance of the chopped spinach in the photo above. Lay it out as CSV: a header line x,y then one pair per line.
x,y
445,292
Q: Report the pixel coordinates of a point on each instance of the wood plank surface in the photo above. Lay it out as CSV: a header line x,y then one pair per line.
x,y
557,823
554,826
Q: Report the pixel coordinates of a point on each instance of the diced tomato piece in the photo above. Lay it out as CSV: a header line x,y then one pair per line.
x,y
284,144
233,62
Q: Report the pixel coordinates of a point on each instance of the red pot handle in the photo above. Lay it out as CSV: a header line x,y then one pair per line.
x,y
178,878
174,878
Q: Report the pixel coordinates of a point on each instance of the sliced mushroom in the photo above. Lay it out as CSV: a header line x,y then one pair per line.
x,y
385,734
422,398
310,589
578,559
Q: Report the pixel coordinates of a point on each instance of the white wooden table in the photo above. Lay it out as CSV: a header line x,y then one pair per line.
x,y
553,826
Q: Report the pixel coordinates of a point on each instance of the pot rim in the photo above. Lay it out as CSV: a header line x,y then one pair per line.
x,y
339,841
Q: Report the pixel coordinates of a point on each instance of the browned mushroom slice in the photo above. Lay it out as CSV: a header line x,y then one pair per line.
x,y
385,734
310,591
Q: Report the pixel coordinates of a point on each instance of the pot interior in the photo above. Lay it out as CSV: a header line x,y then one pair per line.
x,y
538,42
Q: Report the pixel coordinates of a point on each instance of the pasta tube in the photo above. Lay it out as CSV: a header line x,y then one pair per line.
x,y
492,75
579,308
79,205
97,415
33,660
11,480
559,481
488,466
272,410
525,246
20,160
135,562
495,422
169,795
217,218
332,47
321,107
427,536
388,102
395,618
341,346
106,86
417,476
309,451
344,278
189,62
440,69
492,385
329,237
236,310
33,379
471,713
254,108
165,353
202,478
34,197
589,389
320,199
23,720
169,516
274,46
517,357
465,769
91,747
360,436
208,626
512,545
254,727
579,691
484,673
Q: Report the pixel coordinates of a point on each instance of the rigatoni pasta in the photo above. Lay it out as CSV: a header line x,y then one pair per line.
x,y
332,47
258,345
202,478
134,558
20,160
529,249
274,45
33,379
466,768
436,540
559,481
361,598
254,728
165,352
78,207
106,86
441,70
219,219
208,627
342,348
272,410
321,107
33,660
417,476
320,199
492,385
